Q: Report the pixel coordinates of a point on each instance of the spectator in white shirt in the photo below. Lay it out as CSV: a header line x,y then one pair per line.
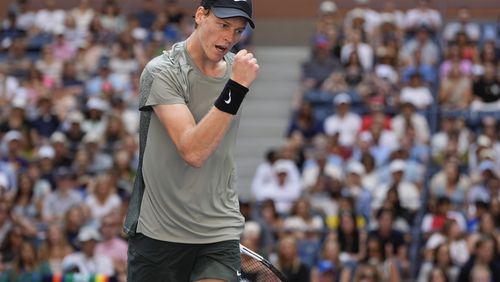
x,y
345,123
362,9
283,189
87,262
417,93
83,15
50,19
409,117
409,195
423,14
103,198
355,44
462,24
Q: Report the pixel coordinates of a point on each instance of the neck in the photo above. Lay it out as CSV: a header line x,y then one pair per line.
x,y
203,62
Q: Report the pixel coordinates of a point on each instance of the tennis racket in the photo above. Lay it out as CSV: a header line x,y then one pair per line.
x,y
255,268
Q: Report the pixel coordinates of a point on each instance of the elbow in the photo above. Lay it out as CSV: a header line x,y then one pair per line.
x,y
194,160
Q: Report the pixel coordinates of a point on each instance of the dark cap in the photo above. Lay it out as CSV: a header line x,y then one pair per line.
x,y
230,8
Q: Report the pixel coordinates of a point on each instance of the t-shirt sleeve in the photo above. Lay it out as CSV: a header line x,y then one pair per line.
x,y
165,90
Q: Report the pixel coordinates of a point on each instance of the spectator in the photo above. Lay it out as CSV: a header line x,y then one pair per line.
x,y
27,266
392,242
283,189
436,219
366,272
414,64
111,18
13,142
417,93
350,239
452,140
423,15
45,156
451,183
489,52
10,248
462,23
304,123
319,165
50,67
371,18
87,261
408,117
429,49
50,19
344,122
437,274
24,204
62,156
317,69
455,58
409,195
272,224
83,15
486,90
45,122
289,262
356,45
303,222
455,92
112,244
146,14
353,188
25,15
486,254
54,248
329,266
74,220
59,201
103,198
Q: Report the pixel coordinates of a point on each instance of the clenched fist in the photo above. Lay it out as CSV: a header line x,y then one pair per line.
x,y
245,68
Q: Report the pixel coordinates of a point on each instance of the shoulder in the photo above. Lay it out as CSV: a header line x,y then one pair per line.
x,y
170,61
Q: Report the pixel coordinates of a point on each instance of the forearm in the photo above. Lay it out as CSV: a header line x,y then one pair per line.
x,y
199,142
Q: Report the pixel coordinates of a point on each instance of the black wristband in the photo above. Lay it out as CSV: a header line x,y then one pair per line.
x,y
231,97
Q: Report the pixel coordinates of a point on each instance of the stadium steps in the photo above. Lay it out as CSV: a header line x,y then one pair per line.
x,y
267,108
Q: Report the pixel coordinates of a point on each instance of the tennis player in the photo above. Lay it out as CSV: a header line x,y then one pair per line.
x,y
183,220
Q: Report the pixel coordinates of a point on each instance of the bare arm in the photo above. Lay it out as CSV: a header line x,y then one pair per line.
x,y
196,142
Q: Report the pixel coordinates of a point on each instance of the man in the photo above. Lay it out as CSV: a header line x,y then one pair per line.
x,y
87,262
183,221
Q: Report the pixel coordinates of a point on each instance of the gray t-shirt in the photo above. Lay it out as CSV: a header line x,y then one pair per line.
x,y
181,203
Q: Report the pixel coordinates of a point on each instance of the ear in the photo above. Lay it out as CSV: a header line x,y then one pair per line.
x,y
200,14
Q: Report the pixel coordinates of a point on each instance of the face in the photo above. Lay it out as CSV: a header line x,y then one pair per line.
x,y
368,274
217,36
443,255
437,276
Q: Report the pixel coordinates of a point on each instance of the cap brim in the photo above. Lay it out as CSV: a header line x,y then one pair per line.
x,y
224,13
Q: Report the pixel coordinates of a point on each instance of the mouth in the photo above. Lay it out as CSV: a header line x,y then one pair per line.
x,y
221,48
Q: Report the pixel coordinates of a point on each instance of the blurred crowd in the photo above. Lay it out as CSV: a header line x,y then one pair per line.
x,y
68,132
389,170
390,166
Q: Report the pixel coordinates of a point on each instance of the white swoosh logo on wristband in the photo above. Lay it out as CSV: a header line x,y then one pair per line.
x,y
228,101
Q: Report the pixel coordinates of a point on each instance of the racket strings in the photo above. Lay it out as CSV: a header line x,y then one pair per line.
x,y
253,270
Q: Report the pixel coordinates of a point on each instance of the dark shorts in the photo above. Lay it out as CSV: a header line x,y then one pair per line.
x,y
154,260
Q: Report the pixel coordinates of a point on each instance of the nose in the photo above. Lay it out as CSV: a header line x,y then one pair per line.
x,y
230,36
